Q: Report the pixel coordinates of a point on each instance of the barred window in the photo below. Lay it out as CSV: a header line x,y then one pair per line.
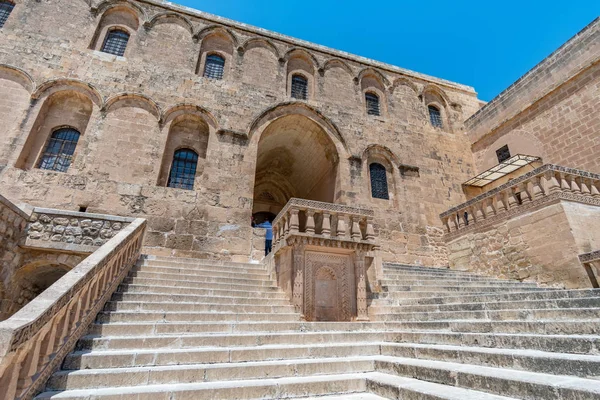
x,y
214,66
379,186
503,153
435,116
115,42
58,154
183,169
372,101
5,10
299,87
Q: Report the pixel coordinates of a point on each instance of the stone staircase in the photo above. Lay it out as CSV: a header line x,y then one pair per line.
x,y
192,329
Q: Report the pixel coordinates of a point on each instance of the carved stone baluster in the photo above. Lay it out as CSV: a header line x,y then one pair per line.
x,y
478,212
585,190
361,288
490,209
551,184
461,219
564,185
538,190
527,192
341,226
444,221
326,229
594,188
503,201
310,222
455,221
287,224
294,221
370,232
574,186
356,233
512,199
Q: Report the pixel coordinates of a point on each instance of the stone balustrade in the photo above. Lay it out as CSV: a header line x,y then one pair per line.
x,y
323,220
541,186
591,263
35,340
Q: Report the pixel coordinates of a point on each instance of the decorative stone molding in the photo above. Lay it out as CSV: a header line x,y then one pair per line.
x,y
591,264
591,257
542,186
35,340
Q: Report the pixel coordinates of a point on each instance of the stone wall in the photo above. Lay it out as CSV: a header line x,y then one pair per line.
x,y
549,112
542,245
133,110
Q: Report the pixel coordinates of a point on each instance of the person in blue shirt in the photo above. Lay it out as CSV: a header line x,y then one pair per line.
x,y
269,236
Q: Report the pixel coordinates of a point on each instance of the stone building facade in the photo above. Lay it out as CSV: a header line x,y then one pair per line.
x,y
257,144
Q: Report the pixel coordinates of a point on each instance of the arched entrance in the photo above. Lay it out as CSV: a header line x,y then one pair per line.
x,y
295,158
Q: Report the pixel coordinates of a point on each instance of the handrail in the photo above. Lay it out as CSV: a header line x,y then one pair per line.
x,y
35,340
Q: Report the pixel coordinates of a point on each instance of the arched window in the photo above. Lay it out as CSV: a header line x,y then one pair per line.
x,y
215,65
115,42
183,169
5,10
58,154
379,185
299,87
372,101
435,117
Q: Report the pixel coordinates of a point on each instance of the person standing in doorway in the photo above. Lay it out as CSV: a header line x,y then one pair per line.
x,y
268,237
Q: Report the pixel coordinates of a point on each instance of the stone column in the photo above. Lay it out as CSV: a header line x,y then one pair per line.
x,y
298,274
361,287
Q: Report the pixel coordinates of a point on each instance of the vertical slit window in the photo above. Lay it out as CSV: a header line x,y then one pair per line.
x,y
299,87
372,101
115,42
215,65
435,117
503,153
5,10
379,186
58,154
183,169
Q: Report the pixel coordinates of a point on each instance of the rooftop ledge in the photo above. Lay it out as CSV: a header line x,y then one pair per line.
x,y
324,49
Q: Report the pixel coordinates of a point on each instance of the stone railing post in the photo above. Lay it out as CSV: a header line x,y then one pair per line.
x,y
298,288
341,226
326,228
370,231
294,221
361,288
310,222
356,233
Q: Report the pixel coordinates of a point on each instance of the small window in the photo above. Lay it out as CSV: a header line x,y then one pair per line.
x,y
215,65
58,154
435,117
183,169
379,186
503,153
372,101
5,10
299,87
115,42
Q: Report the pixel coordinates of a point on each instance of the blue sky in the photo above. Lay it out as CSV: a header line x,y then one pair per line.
x,y
487,45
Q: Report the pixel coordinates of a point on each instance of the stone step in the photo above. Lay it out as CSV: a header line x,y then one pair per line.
x,y
201,278
560,343
204,271
586,302
141,306
94,342
122,358
134,288
173,316
355,396
396,387
193,263
416,281
151,296
293,387
416,268
227,371
399,291
433,277
550,294
150,282
494,315
515,383
185,328
584,366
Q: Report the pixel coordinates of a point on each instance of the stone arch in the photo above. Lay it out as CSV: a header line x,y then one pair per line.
x,y
382,155
105,6
17,75
217,29
56,85
259,42
133,100
325,273
170,18
404,82
336,63
259,123
384,151
434,93
300,62
66,106
298,52
219,41
371,81
374,74
121,15
187,108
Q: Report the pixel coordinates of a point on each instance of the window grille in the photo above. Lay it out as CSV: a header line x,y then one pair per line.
x,y
214,67
5,10
299,87
183,169
115,42
503,153
58,154
372,101
435,116
379,186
